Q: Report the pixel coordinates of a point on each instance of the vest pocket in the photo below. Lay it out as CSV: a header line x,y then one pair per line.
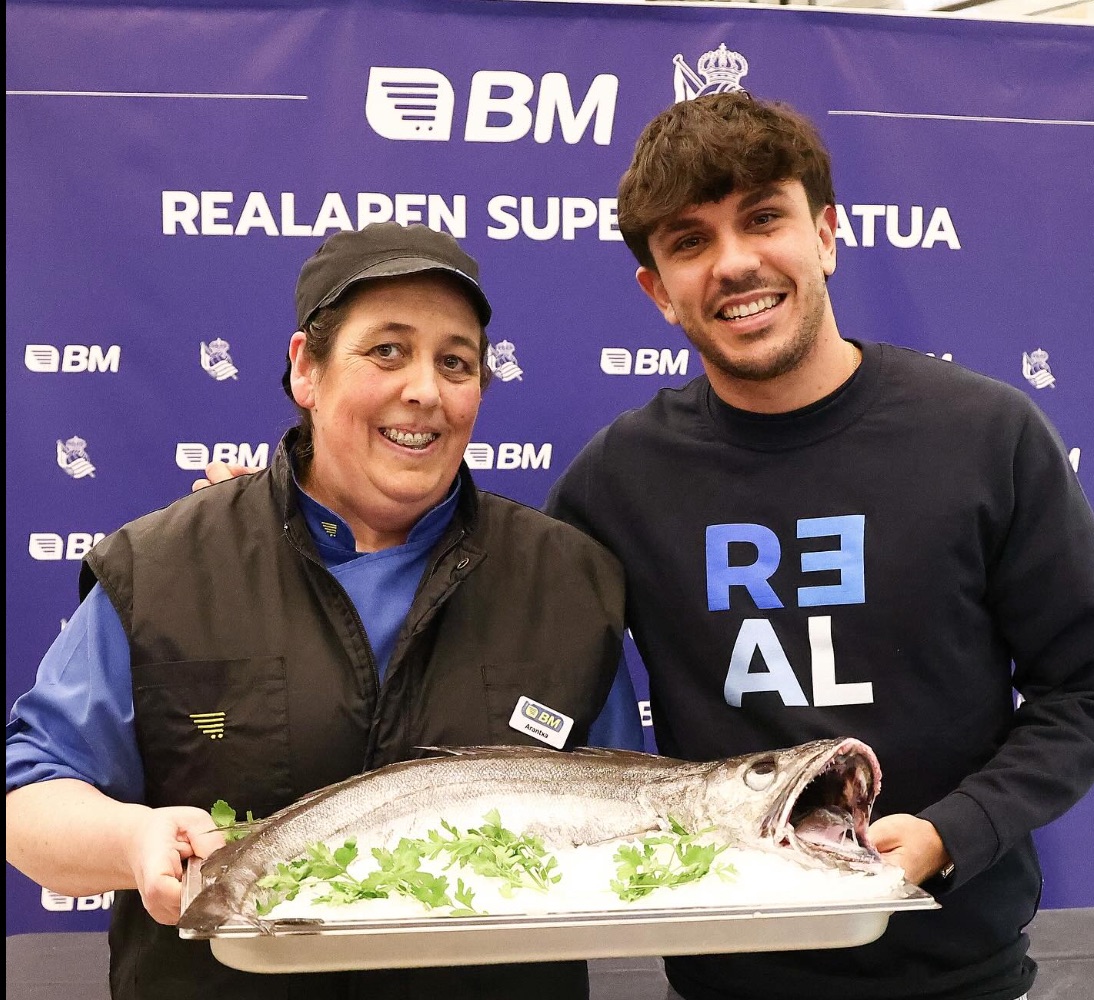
x,y
559,694
215,729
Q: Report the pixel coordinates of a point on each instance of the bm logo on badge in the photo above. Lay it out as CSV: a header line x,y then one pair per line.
x,y
540,722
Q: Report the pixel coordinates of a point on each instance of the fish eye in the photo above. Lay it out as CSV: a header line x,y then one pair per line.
x,y
761,773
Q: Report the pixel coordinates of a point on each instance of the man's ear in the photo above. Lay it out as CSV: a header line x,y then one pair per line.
x,y
303,371
826,239
650,282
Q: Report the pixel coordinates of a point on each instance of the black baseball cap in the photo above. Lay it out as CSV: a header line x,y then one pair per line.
x,y
381,250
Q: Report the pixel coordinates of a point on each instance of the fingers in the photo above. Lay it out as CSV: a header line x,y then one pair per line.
x,y
162,898
910,843
201,845
169,837
220,472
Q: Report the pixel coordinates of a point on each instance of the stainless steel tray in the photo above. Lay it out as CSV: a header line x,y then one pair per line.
x,y
323,946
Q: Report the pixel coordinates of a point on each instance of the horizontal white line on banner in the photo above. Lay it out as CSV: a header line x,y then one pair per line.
x,y
963,118
119,93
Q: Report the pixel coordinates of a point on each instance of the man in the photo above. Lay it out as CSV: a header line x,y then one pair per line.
x,y
357,601
825,537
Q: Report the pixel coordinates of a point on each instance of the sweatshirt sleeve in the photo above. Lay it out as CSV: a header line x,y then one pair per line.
x,y
1041,592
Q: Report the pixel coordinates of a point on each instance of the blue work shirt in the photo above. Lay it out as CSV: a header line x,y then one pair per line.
x,y
78,721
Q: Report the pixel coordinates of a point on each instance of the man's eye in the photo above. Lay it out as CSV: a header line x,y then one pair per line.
x,y
764,218
688,243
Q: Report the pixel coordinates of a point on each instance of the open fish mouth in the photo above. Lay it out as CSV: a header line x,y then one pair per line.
x,y
824,812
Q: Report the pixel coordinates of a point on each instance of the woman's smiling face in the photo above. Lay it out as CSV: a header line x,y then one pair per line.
x,y
394,405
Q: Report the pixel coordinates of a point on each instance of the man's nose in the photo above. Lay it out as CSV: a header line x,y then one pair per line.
x,y
735,256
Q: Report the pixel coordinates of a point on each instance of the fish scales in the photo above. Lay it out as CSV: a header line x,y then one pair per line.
x,y
587,796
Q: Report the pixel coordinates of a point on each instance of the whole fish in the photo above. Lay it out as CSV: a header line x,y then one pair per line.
x,y
813,800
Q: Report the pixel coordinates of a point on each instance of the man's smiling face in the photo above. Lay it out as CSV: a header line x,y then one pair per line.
x,y
744,277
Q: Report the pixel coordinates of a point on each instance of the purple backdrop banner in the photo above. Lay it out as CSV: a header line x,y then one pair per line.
x,y
171,165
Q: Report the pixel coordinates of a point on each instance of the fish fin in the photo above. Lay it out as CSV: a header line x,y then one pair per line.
x,y
612,752
524,749
493,751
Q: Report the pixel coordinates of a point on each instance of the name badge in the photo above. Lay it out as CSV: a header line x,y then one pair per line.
x,y
541,723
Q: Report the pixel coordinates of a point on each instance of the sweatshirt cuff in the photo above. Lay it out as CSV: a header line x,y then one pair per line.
x,y
968,835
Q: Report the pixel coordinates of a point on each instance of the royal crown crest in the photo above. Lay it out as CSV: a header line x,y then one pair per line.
x,y
216,361
72,457
718,71
505,350
1036,370
501,359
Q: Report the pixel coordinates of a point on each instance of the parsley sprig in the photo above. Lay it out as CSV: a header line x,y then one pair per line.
x,y
643,867
664,860
520,861
225,818
398,873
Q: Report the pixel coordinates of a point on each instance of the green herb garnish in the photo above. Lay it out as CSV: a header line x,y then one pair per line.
x,y
224,816
399,873
643,868
520,861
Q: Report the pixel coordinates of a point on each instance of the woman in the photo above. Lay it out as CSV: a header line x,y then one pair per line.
x,y
357,600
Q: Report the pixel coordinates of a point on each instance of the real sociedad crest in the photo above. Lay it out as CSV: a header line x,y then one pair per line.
x,y
1036,371
501,359
72,457
216,361
717,72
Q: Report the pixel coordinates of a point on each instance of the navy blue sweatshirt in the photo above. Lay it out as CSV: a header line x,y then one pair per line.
x,y
870,566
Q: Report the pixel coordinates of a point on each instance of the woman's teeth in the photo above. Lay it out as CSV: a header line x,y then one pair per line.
x,y
407,439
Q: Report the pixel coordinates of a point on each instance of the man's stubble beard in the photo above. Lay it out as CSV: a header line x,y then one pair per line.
x,y
783,358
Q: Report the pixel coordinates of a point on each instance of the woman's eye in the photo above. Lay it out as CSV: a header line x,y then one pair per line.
x,y
454,363
385,350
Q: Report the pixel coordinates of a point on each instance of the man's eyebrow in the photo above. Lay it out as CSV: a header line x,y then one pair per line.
x,y
684,220
752,199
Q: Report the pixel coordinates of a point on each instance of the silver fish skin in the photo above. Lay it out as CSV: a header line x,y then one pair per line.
x,y
824,789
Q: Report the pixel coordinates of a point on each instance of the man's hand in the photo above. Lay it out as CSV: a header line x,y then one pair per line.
x,y
157,849
909,843
221,472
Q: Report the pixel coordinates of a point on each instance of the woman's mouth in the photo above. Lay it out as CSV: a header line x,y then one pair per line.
x,y
409,439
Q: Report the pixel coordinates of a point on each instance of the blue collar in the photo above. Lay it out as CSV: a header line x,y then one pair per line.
x,y
334,538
